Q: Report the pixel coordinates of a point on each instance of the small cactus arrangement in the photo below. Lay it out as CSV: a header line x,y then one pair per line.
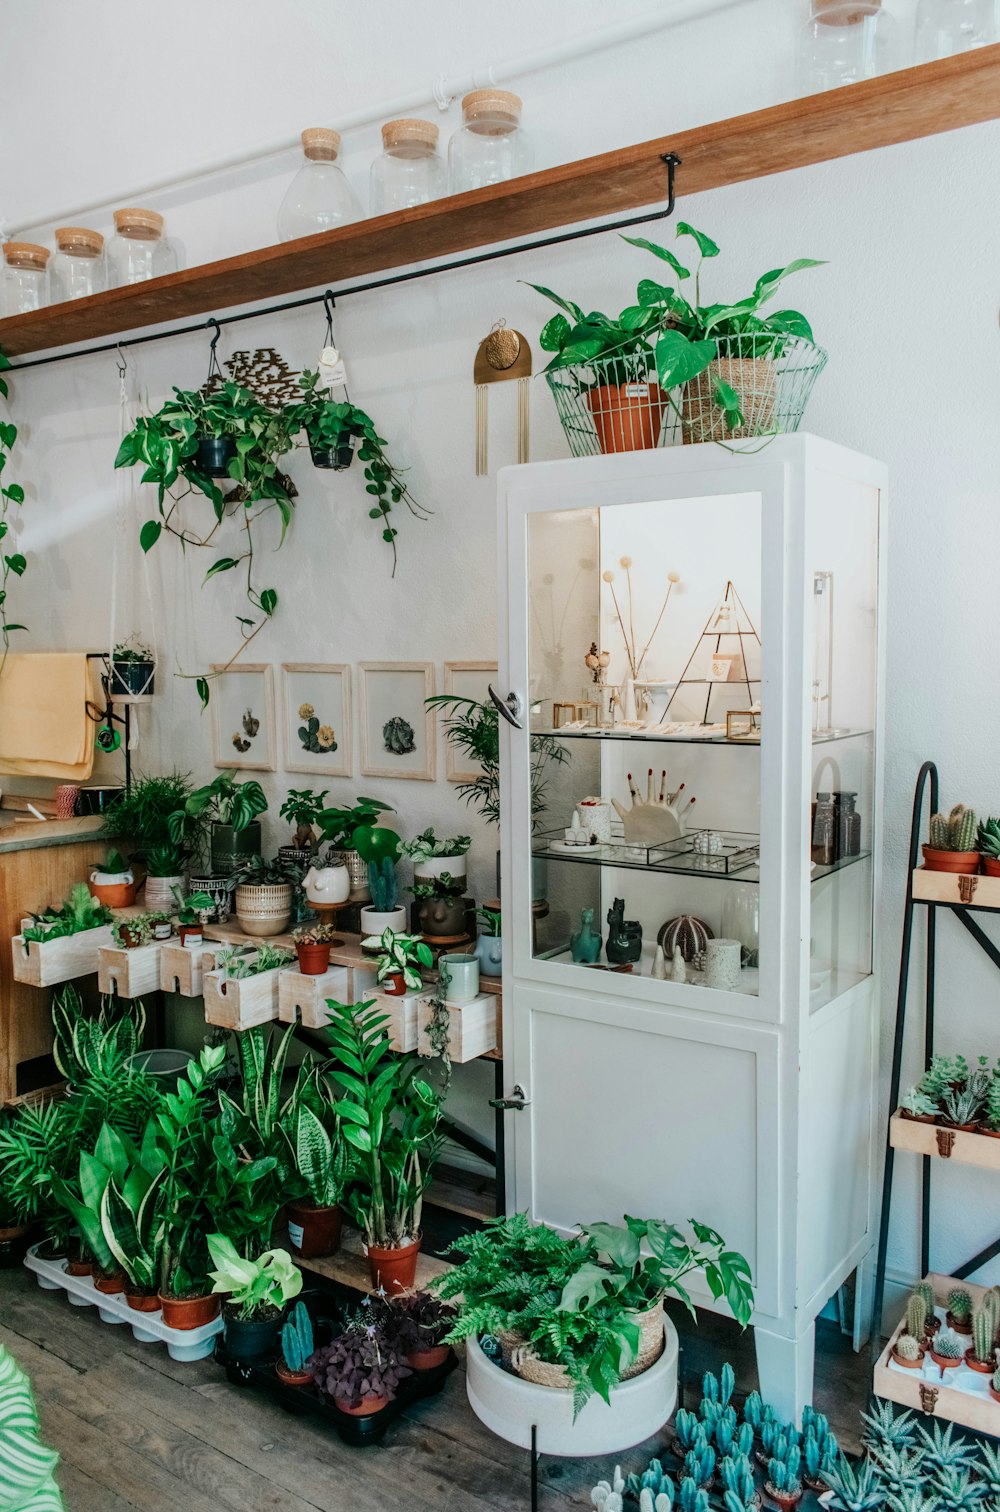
x,y
988,845
296,1348
953,838
951,1092
959,1315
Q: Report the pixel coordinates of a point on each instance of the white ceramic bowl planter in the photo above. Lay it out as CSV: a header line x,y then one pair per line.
x,y
375,923
510,1406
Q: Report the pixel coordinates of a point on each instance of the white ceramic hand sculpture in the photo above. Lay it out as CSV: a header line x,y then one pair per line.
x,y
651,820
327,884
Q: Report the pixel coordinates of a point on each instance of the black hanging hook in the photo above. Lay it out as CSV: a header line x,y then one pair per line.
x,y
329,305
673,162
214,370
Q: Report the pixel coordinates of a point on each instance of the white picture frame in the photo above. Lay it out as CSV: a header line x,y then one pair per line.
x,y
467,679
326,686
241,695
397,691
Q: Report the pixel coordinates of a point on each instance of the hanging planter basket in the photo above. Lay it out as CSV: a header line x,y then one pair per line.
x,y
132,680
604,410
335,458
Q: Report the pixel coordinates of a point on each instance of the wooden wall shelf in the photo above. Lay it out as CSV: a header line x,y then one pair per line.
x,y
897,107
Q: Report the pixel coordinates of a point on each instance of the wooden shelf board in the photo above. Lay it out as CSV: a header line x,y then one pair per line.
x,y
933,1397
897,107
922,1139
975,891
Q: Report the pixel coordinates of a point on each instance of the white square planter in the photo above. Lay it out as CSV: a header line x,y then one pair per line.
x,y
47,963
129,973
303,998
181,968
472,1028
240,1003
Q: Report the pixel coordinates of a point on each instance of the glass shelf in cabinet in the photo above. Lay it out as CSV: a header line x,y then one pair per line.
x,y
823,737
618,855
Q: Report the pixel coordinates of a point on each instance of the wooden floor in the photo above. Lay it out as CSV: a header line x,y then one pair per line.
x,y
136,1430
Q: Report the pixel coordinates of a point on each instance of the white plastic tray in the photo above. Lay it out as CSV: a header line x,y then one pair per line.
x,y
183,1344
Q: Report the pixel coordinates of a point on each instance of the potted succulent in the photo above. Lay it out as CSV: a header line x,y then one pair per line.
x,y
959,1314
82,1196
133,666
952,842
190,911
264,892
293,1366
312,946
233,808
164,872
420,1324
302,808
442,911
432,857
340,826
988,845
908,1350
947,1350
390,1115
257,1294
323,1165
113,883
379,847
359,1371
489,942
783,1484
400,958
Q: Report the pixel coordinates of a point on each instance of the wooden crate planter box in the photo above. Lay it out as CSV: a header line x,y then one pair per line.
x,y
240,1003
47,963
182,967
129,973
949,887
302,999
472,1028
962,1396
959,1145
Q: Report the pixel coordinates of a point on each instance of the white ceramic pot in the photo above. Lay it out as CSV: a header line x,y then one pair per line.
x,y
327,884
436,866
509,1406
357,870
375,923
159,893
263,910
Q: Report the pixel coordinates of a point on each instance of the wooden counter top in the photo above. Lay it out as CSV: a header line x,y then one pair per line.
x,y
38,834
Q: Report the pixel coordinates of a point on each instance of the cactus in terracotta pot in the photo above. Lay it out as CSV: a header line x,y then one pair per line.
x,y
907,1349
983,1334
916,1316
953,839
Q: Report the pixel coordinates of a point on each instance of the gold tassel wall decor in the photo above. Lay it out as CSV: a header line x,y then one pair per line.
x,y
501,357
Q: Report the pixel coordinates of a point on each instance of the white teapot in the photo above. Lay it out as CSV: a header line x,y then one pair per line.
x,y
327,884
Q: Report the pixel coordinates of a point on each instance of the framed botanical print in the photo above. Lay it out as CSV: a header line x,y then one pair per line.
x,y
316,718
398,730
466,679
242,712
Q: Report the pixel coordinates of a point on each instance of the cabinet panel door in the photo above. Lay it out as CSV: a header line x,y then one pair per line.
x,y
650,1112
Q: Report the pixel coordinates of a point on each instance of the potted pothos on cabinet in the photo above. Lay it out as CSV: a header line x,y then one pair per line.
x,y
257,1293
232,808
390,1115
401,956
324,1166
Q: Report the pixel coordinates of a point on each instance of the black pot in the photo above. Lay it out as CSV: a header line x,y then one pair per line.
x,y
214,455
335,457
230,847
14,1241
443,918
95,800
129,678
219,889
253,1339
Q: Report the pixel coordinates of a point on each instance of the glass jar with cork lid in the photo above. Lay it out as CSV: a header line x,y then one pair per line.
x,y
25,283
77,267
138,250
845,41
490,146
319,196
409,170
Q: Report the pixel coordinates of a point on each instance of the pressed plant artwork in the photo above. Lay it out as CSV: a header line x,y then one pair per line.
x,y
315,737
242,718
249,726
397,734
316,718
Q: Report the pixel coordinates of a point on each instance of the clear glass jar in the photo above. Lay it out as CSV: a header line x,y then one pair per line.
x,y
951,26
25,278
319,196
490,145
138,250
77,267
845,41
409,170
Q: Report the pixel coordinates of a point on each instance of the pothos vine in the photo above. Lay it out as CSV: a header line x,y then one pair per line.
x,y
12,563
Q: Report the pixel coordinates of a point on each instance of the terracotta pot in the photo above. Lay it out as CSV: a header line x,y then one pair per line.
x,y
288,1377
627,417
112,1283
932,1326
918,1117
965,862
142,1301
130,938
79,1267
191,934
989,1133
916,1364
428,1359
991,866
959,1328
783,1499
394,1269
314,1231
313,959
943,1362
994,1393
394,985
189,1312
114,894
985,1367
365,1407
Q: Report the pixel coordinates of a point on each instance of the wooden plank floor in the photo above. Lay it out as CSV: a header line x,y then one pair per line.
x,y
136,1430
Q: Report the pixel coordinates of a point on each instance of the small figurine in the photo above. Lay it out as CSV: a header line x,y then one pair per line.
x,y
585,943
654,819
678,970
624,936
659,968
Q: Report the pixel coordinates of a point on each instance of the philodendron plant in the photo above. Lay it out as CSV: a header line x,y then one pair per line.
x,y
401,955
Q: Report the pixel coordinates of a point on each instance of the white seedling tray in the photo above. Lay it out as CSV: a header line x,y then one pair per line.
x,y
183,1344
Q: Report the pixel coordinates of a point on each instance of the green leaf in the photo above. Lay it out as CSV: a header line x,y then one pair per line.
x,y
791,322
269,600
678,360
553,334
768,282
16,563
15,493
564,304
662,252
201,684
149,534
224,564
706,246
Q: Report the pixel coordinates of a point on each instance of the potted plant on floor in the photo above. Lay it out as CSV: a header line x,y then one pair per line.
x,y
294,1363
359,1371
83,1198
232,808
401,956
133,668
390,1114
489,943
312,946
340,826
420,1325
257,1293
952,842
442,909
379,848
131,1224
264,893
432,858
324,1166
113,882
302,808
988,845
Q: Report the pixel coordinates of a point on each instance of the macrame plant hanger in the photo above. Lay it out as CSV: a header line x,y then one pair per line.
x,y
501,357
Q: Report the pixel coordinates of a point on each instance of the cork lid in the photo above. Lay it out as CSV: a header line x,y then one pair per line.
x,y
20,254
79,240
410,132
321,144
849,13
143,225
495,103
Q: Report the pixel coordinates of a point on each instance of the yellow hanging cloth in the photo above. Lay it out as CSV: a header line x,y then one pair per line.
x,y
44,729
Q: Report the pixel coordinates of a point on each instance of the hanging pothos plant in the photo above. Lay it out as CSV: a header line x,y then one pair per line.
x,y
191,443
12,564
332,426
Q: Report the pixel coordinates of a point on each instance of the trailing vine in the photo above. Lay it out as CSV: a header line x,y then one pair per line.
x,y
438,1029
12,564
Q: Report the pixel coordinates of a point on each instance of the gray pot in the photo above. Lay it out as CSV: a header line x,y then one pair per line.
x,y
230,847
489,949
443,918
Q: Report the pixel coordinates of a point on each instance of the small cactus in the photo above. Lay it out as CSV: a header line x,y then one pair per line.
x,y
725,1431
744,1439
753,1411
687,1428
960,1304
693,1498
699,1464
988,839
738,1478
995,1381
783,1479
990,1303
663,1501
956,831
916,1316
948,1345
297,1338
983,1333
908,1348
925,1289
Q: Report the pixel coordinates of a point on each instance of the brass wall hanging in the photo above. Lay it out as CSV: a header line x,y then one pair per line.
x,y
501,357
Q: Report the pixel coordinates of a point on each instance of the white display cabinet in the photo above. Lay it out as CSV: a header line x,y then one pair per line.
x,y
749,1101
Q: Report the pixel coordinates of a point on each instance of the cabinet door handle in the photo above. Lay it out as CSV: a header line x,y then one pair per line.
x,y
515,1103
509,707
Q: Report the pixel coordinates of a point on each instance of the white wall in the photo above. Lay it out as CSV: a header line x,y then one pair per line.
x,y
907,308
